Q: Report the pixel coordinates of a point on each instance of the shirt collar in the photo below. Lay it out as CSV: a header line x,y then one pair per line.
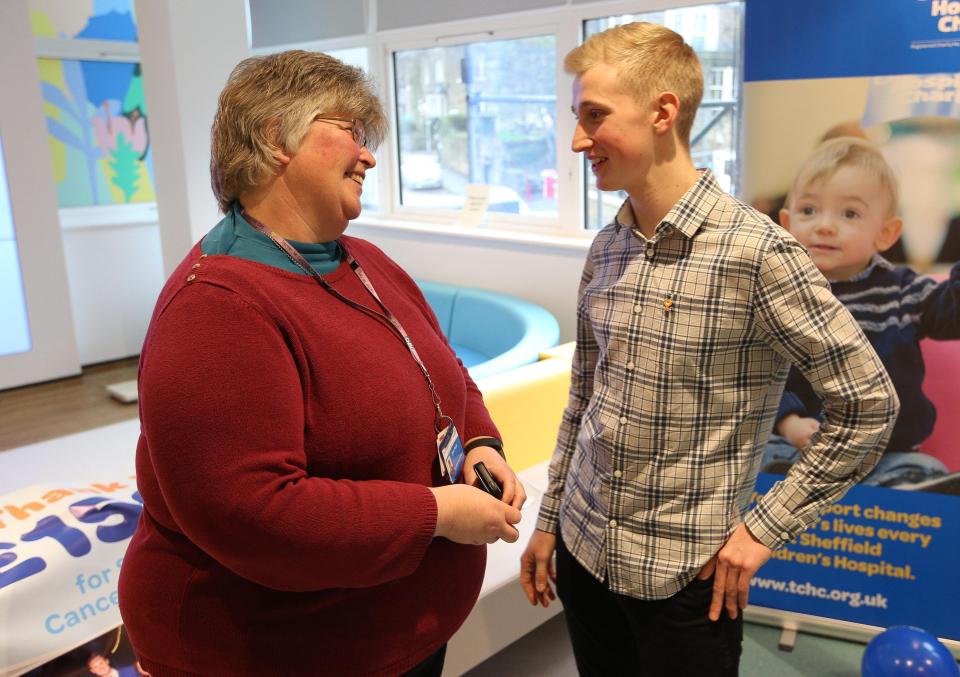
x,y
688,214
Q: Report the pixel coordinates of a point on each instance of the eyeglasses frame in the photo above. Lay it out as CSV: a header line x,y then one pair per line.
x,y
357,128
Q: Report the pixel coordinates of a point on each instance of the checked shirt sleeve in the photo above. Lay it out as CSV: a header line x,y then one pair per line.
x,y
805,323
581,388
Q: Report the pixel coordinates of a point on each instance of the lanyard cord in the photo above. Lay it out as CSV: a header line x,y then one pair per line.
x,y
386,316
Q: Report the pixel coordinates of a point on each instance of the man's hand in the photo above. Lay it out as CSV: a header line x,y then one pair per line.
x,y
798,430
537,569
733,567
513,492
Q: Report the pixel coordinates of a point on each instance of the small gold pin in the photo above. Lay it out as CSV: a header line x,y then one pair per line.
x,y
667,304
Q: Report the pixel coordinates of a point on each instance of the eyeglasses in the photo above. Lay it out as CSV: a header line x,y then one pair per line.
x,y
357,129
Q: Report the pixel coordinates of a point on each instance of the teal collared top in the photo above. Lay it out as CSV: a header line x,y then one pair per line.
x,y
234,236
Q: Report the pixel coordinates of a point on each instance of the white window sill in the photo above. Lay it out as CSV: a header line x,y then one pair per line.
x,y
109,216
578,243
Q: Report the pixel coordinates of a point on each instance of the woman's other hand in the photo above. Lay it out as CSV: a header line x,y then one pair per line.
x,y
513,492
469,515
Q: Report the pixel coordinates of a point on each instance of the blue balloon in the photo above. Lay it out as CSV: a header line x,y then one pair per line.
x,y
905,651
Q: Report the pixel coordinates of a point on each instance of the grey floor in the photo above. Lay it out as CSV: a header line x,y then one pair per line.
x,y
546,652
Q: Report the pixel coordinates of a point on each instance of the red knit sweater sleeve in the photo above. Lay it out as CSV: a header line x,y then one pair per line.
x,y
222,414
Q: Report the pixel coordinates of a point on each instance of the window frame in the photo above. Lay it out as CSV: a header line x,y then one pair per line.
x,y
566,23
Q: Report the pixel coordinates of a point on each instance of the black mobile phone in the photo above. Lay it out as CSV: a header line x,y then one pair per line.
x,y
487,482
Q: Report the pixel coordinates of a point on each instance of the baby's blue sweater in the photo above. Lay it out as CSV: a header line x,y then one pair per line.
x,y
895,308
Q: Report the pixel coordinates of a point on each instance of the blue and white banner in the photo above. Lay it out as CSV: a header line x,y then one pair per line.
x,y
60,553
850,38
888,72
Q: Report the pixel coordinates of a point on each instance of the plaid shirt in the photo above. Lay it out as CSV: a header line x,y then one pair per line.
x,y
684,342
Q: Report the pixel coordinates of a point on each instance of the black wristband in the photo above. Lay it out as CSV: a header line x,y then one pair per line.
x,y
493,442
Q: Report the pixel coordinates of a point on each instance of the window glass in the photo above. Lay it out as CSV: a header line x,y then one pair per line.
x,y
714,31
478,113
14,327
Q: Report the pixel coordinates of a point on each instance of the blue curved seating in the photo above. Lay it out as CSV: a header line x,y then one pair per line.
x,y
490,332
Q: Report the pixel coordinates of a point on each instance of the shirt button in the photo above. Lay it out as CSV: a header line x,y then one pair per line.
x,y
618,474
785,536
630,365
649,250
203,256
613,523
623,420
191,278
638,308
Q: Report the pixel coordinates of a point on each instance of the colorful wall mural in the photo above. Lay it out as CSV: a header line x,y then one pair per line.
x,y
96,114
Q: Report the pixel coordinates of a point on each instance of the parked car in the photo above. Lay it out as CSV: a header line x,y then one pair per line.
x,y
420,171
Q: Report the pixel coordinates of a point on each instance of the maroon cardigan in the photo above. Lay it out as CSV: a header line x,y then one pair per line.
x,y
286,449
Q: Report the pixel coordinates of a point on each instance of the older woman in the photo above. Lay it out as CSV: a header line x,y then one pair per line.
x,y
300,515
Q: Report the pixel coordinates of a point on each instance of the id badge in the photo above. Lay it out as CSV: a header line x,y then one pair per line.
x,y
450,451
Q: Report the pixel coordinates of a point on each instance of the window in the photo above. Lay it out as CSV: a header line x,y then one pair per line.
x,y
93,99
482,112
714,31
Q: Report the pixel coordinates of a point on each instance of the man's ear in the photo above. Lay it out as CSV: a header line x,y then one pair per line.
x,y
785,219
889,234
667,109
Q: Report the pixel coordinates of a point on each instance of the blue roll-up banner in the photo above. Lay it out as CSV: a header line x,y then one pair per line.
x,y
888,71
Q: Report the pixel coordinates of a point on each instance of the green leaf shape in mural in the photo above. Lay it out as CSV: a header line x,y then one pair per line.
x,y
125,164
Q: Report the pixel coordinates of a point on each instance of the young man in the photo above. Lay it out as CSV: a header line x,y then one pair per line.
x,y
843,209
692,307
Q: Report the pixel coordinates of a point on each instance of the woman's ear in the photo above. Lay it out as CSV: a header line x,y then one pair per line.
x,y
283,158
272,133
889,234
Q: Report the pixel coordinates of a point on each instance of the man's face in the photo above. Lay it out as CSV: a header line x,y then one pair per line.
x,y
613,130
842,220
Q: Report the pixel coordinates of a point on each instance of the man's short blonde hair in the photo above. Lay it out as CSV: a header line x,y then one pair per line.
x,y
652,59
269,103
846,151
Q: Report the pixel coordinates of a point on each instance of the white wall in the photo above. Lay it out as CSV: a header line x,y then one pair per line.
x,y
115,274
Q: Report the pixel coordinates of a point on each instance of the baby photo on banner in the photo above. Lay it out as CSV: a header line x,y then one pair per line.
x,y
852,125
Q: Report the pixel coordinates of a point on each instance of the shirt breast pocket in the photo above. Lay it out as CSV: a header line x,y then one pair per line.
x,y
703,332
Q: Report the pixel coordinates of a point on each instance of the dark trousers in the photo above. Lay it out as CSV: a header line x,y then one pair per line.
x,y
614,634
431,667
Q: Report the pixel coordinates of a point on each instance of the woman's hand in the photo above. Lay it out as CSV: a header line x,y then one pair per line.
x,y
798,430
513,492
469,515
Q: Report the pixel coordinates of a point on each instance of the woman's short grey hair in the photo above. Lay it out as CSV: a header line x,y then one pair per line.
x,y
269,103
